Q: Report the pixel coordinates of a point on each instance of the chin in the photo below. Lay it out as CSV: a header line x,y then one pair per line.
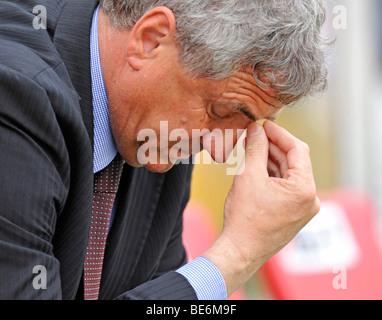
x,y
159,168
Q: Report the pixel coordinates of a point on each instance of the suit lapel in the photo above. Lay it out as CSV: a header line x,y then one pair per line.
x,y
72,40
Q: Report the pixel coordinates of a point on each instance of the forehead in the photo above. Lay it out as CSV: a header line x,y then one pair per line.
x,y
242,90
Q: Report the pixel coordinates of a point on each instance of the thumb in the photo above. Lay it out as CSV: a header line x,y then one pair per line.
x,y
257,150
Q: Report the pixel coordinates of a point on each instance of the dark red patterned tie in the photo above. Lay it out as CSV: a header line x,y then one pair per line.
x,y
106,184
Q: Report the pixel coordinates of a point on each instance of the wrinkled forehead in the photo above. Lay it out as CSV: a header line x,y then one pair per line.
x,y
242,91
243,83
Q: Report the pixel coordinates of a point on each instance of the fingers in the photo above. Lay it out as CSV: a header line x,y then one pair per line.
x,y
279,159
273,162
257,149
273,169
279,136
271,151
297,153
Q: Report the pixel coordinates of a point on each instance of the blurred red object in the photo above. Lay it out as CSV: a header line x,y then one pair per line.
x,y
199,233
335,257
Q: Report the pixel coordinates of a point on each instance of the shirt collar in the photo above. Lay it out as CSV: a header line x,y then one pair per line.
x,y
104,144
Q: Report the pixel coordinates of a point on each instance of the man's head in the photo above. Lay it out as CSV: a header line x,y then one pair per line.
x,y
206,64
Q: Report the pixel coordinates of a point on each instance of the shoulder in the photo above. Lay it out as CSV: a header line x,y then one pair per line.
x,y
31,69
25,48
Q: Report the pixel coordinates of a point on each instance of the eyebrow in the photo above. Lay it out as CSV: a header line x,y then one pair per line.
x,y
245,110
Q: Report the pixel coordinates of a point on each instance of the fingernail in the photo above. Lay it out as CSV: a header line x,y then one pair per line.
x,y
253,130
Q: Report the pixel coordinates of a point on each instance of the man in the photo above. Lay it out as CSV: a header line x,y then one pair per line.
x,y
76,93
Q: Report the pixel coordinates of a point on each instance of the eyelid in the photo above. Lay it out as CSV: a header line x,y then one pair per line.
x,y
239,108
249,115
244,110
215,114
212,113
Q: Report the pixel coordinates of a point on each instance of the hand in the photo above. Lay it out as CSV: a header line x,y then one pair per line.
x,y
268,204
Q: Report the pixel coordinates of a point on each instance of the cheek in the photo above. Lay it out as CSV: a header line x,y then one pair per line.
x,y
188,119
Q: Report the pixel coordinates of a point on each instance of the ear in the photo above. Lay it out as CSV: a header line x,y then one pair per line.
x,y
155,29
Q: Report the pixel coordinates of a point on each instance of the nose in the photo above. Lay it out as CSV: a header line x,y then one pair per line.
x,y
220,143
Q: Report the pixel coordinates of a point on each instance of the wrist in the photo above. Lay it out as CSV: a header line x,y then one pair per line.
x,y
234,267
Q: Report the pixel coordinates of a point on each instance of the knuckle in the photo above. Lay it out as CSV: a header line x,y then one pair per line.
x,y
316,205
310,197
305,146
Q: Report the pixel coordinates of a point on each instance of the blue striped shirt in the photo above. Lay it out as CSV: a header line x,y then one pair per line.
x,y
201,273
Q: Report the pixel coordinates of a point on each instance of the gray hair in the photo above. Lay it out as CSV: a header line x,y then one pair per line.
x,y
280,39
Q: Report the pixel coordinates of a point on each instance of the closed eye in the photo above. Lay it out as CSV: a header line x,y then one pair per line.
x,y
244,110
229,110
211,112
215,114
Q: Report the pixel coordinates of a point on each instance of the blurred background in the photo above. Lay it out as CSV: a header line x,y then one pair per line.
x,y
339,255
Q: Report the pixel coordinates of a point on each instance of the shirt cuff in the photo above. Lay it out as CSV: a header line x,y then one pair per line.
x,y
205,278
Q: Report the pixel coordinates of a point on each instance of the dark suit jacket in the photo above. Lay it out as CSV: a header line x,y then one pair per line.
x,y
46,161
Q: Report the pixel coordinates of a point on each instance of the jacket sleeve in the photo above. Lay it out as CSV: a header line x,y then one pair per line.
x,y
32,191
